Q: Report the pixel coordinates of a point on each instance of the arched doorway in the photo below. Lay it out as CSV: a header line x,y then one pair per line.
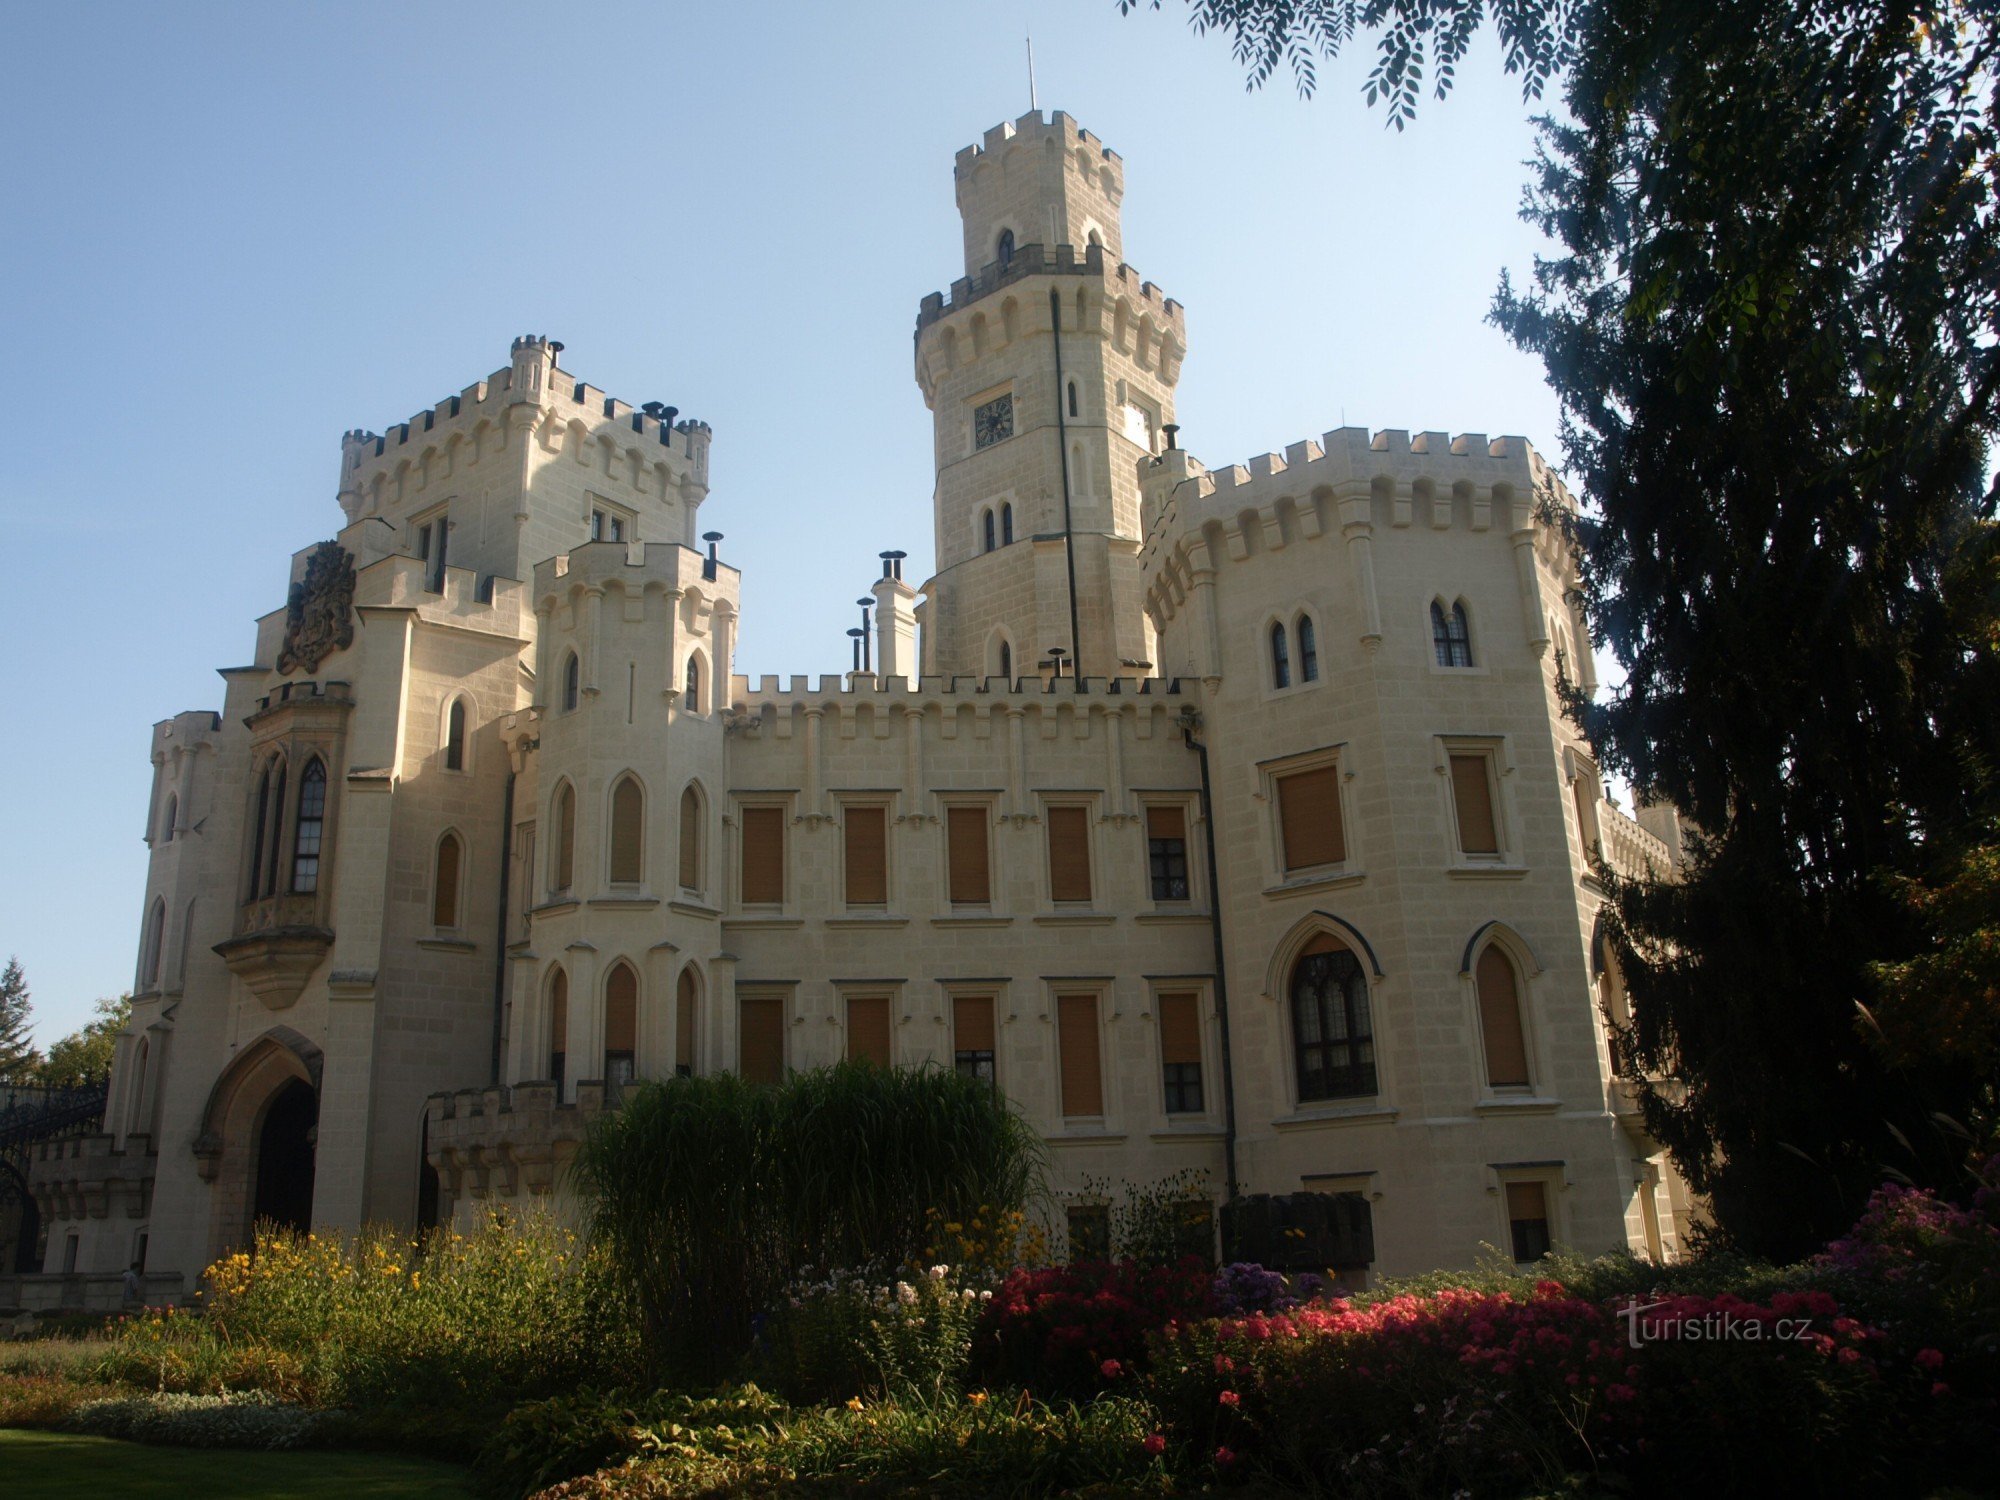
x,y
285,1149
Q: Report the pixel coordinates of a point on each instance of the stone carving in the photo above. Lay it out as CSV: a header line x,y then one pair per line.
x,y
319,615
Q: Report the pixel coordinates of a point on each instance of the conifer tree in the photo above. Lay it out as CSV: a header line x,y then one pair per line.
x,y
17,1045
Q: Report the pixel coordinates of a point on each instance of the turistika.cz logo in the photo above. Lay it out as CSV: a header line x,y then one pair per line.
x,y
1717,1325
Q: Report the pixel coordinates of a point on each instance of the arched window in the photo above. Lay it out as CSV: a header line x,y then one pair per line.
x,y
562,853
444,889
150,943
628,832
1006,523
277,829
1500,1020
1281,657
454,736
1072,398
621,1023
571,687
170,815
257,839
1615,1005
691,686
558,1027
986,530
1333,1038
311,824
1308,651
690,872
1450,635
1004,251
687,996
1007,660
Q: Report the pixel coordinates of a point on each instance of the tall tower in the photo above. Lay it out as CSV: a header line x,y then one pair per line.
x,y
1048,371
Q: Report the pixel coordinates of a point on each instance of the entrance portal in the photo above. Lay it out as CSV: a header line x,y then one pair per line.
x,y
285,1146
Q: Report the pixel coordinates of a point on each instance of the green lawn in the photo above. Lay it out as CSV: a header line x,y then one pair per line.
x,y
58,1466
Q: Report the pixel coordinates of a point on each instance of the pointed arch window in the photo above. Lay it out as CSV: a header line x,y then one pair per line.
x,y
310,829
444,888
687,994
628,832
170,816
1450,635
150,944
1333,1037
621,1024
1004,250
1308,650
1281,657
562,855
986,531
1006,523
1500,1020
1072,398
558,1027
690,839
571,682
691,686
1007,661
454,736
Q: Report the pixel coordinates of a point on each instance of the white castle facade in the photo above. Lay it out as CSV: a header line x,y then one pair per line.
x,y
1225,819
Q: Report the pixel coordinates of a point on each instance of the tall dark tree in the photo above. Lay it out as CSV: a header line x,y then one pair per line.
x,y
1771,326
17,1043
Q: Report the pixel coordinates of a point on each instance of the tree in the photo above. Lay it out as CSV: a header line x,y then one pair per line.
x,y
18,1057
1770,325
83,1058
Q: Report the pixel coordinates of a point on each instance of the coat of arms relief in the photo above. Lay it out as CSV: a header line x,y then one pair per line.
x,y
319,613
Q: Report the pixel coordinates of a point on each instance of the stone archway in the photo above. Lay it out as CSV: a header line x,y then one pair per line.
x,y
259,1137
286,1142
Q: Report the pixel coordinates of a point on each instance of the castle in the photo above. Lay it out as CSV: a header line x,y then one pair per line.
x,y
1226,820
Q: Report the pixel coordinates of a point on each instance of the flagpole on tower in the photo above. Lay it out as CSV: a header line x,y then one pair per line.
x,y
1033,106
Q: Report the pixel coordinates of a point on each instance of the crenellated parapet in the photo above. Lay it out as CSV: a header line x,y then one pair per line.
x,y
499,1144
1039,178
860,704
93,1177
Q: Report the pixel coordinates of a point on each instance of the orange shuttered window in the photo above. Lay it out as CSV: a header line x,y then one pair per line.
x,y
760,1041
1500,1020
1472,794
1180,1030
1082,1065
972,1023
685,995
868,1028
690,872
763,856
965,834
1309,817
1069,854
628,841
444,896
867,839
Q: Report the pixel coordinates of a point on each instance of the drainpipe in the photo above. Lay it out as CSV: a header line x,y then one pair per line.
x,y
1188,721
500,933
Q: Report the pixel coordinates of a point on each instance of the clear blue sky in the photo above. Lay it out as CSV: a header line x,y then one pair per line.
x,y
231,231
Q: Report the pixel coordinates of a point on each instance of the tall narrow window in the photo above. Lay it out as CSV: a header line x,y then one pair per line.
x,y
1007,661
1308,651
1281,657
257,840
1450,636
760,1039
571,679
687,995
1500,1020
277,832
1006,523
444,887
151,941
1069,854
986,530
868,1029
972,1036
1472,801
1166,852
691,688
763,856
865,836
1528,1220
558,1028
1309,818
169,816
454,736
1072,398
311,824
621,1024
1004,250
1180,1053
690,833
1082,1061
1333,1037
967,879
562,855
628,832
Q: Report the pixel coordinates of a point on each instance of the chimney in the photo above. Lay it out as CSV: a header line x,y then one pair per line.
x,y
895,621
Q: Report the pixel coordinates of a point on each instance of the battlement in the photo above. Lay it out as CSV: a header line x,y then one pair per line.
x,y
185,731
293,693
854,699
1034,129
1039,260
669,565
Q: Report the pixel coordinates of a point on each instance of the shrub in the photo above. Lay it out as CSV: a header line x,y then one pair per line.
x,y
1082,1328
44,1399
545,1442
854,1335
1246,1288
250,1420
714,1194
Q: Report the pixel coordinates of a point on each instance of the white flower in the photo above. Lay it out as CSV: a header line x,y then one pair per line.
x,y
906,1294
938,1272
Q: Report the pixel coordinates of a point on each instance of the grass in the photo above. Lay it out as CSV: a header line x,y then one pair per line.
x,y
59,1466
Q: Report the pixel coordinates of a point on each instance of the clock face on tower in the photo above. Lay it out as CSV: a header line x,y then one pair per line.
x,y
993,421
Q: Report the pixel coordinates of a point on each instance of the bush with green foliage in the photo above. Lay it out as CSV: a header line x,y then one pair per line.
x,y
248,1419
857,1335
713,1195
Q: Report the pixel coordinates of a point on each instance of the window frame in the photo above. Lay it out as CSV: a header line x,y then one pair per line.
x,y
1098,992
994,994
1549,1178
1503,942
570,682
318,820
1199,992
1085,805
1495,751
607,1052
1297,1047
701,839
612,874
884,804
781,804
1272,776
461,705
984,803
782,995
868,991
1441,616
457,922
1186,808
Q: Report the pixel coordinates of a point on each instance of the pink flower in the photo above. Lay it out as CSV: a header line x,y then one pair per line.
x,y
1850,1356
1224,1364
1154,1444
1940,1389
1929,1359
1230,1398
1111,1369
1621,1393
1225,1457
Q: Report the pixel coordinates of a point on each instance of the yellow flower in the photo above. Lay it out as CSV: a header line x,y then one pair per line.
x,y
854,1403
977,1398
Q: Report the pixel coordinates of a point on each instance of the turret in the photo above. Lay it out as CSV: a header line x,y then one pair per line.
x,y
1042,182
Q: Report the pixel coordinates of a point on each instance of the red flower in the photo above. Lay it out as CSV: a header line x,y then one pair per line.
x,y
1224,1457
1111,1369
1230,1398
1154,1444
1929,1359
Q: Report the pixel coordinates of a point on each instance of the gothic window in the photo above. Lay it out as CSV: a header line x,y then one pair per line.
x,y
558,1027
1004,251
311,825
571,678
1333,1040
454,736
433,539
1007,661
1500,1020
1006,524
621,1024
628,832
1281,657
150,944
690,839
1308,651
562,856
444,889
1450,636
1072,398
691,687
687,995
169,817
986,531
